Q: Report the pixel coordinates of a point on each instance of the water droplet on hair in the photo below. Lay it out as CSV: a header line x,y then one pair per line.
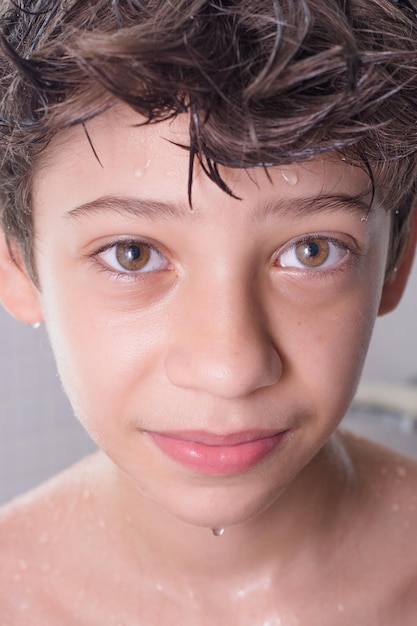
x,y
291,178
217,532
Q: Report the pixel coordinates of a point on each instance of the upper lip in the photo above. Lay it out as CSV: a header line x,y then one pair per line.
x,y
215,439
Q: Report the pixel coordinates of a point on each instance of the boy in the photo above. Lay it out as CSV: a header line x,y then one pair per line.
x,y
208,204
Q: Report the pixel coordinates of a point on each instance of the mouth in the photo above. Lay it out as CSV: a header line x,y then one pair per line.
x,y
214,454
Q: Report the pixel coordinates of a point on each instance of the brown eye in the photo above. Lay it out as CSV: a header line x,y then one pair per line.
x,y
312,253
315,252
132,256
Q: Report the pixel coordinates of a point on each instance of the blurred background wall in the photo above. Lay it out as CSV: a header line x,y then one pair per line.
x,y
38,433
40,436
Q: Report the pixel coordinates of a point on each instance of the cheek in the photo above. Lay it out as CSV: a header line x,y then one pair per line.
x,y
106,359
329,350
334,323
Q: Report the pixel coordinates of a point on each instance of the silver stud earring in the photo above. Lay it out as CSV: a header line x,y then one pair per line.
x,y
35,325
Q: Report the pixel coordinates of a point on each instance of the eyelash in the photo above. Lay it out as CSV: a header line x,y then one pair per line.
x,y
342,247
124,273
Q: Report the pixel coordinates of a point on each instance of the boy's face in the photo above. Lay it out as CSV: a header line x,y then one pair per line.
x,y
242,318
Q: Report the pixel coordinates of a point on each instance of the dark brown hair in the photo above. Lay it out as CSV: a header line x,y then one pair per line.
x,y
265,82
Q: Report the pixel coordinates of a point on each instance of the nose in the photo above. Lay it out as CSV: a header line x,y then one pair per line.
x,y
220,342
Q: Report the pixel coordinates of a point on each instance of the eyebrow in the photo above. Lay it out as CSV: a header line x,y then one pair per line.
x,y
301,208
158,209
137,207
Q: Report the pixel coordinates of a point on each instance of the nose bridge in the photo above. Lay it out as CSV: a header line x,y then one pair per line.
x,y
220,342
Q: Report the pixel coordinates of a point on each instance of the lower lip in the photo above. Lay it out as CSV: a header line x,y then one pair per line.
x,y
217,459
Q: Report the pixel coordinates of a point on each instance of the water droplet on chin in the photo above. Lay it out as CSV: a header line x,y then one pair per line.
x,y
290,177
217,532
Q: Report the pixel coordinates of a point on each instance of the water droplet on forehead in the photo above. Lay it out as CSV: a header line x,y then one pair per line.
x,y
290,177
139,169
217,532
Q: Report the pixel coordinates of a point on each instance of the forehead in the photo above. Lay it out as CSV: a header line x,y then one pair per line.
x,y
116,155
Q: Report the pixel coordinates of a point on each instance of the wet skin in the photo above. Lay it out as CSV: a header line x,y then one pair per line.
x,y
223,331
211,353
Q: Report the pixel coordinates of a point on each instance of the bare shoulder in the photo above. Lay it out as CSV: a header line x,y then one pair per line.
x,y
386,524
46,507
39,532
386,476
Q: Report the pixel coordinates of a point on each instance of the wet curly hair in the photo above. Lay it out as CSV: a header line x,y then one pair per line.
x,y
264,82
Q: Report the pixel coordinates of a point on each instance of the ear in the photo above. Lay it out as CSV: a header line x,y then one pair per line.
x,y
18,293
396,282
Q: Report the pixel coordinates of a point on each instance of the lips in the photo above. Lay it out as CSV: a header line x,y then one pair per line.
x,y
214,454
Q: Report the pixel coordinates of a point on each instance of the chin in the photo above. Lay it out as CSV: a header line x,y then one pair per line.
x,y
220,511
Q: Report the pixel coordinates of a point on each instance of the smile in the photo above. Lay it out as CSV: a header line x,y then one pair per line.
x,y
212,454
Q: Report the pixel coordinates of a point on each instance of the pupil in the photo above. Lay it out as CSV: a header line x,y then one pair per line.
x,y
312,249
132,253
